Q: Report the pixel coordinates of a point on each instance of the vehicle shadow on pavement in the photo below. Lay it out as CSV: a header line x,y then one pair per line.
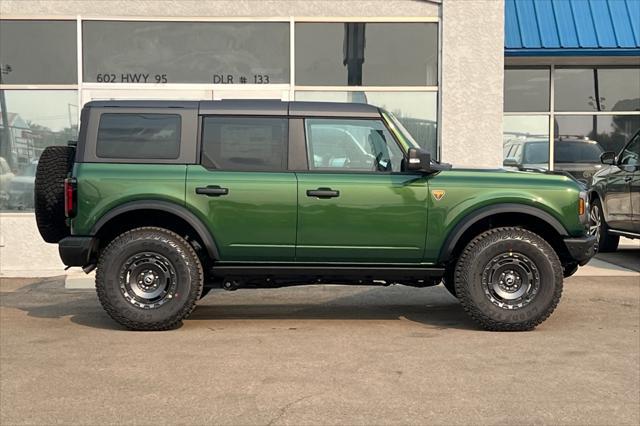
x,y
432,307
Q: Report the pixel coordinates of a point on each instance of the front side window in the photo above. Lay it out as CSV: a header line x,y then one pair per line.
x,y
139,136
351,145
245,143
630,156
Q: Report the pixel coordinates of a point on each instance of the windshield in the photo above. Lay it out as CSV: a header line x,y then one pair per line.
x,y
399,130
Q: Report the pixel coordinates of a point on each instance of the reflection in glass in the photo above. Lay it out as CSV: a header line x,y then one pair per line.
x,y
417,111
37,119
368,54
597,89
609,131
526,142
186,52
526,90
38,52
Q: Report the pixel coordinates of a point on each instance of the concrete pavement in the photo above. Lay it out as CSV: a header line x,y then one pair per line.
x,y
320,355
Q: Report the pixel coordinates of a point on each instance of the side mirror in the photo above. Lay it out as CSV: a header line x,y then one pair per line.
x,y
608,157
510,162
418,160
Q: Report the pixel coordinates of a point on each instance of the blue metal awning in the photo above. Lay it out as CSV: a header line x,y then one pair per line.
x,y
572,27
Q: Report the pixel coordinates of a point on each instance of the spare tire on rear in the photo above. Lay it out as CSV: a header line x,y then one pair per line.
x,y
53,167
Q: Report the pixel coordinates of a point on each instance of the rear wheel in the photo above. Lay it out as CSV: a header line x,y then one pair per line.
x,y
605,242
53,167
149,279
509,279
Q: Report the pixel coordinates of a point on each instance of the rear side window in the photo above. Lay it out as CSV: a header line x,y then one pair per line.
x,y
244,143
142,136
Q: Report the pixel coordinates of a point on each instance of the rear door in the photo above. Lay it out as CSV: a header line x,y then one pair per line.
x,y
242,190
354,204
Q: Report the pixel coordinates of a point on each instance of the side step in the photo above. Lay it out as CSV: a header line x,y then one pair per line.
x,y
353,272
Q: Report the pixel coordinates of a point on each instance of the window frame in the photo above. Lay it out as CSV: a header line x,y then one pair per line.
x,y
188,140
102,117
551,113
286,144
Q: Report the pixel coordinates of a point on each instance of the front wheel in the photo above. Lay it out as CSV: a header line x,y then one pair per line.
x,y
149,279
605,242
509,279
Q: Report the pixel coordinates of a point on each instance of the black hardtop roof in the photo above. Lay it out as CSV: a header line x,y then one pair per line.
x,y
251,107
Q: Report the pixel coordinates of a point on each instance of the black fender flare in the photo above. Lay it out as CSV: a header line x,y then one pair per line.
x,y
474,217
167,207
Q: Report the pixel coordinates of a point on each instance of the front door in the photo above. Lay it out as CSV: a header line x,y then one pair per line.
x,y
619,184
354,204
242,190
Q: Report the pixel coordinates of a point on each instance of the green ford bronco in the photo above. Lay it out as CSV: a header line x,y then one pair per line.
x,y
169,199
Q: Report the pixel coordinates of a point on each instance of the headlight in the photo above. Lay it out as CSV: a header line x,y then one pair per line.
x,y
583,208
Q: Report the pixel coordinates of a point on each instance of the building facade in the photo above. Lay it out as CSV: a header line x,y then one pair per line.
x,y
519,83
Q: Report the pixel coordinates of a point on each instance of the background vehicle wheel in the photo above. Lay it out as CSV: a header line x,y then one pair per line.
x,y
53,167
509,279
598,227
149,279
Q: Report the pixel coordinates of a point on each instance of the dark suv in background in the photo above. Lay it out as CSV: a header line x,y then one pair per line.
x,y
615,197
578,156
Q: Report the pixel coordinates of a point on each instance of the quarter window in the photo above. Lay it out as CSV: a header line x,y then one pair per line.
x,y
245,143
148,136
351,145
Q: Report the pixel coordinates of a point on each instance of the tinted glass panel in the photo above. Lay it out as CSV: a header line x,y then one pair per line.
x,y
581,139
149,136
417,111
618,89
369,54
526,90
357,145
37,119
186,52
242,143
610,132
526,141
39,52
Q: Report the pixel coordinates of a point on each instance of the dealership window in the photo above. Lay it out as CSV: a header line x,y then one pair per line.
x,y
594,109
185,52
38,52
393,65
417,111
367,54
38,99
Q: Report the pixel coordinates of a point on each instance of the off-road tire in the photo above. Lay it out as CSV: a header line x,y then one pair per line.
x,y
188,272
606,241
508,241
53,167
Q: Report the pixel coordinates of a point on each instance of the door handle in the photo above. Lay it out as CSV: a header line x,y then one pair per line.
x,y
212,191
323,193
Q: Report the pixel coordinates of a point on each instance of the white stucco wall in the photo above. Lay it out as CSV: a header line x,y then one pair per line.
x,y
472,82
22,251
243,8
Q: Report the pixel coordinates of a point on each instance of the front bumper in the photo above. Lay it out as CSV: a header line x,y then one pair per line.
x,y
581,249
77,251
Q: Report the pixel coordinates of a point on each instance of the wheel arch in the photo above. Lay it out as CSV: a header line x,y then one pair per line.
x,y
167,214
529,217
